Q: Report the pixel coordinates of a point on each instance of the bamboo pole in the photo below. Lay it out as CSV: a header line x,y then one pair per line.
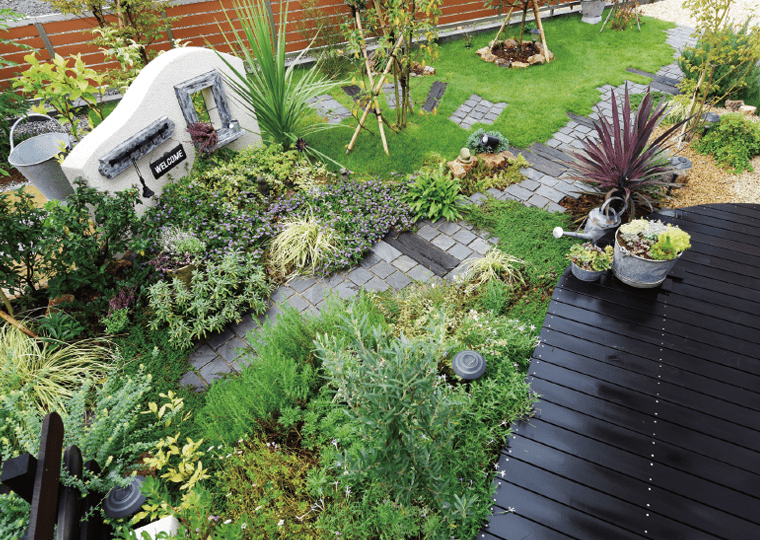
x,y
373,96
17,324
537,15
375,91
509,14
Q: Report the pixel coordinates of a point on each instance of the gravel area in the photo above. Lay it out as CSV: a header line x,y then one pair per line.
x,y
32,8
673,11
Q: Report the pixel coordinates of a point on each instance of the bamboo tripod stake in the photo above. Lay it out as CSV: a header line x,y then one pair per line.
x,y
541,30
373,96
511,9
375,91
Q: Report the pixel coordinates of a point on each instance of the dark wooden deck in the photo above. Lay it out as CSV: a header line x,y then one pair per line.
x,y
648,424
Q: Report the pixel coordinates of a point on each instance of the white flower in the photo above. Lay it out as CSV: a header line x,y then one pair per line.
x,y
281,523
244,525
227,521
210,448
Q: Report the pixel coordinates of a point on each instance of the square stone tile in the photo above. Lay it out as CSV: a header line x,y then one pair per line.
x,y
332,281
202,356
550,193
427,233
191,379
360,276
398,280
370,259
386,251
519,192
480,246
229,351
281,294
242,328
215,370
459,251
405,263
218,338
538,201
300,284
529,184
464,236
376,284
272,313
383,269
420,273
298,302
444,242
346,290
314,294
554,207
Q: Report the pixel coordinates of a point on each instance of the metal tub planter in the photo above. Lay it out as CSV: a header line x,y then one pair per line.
x,y
646,251
585,275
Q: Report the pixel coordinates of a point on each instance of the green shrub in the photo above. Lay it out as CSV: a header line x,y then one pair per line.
x,y
434,194
736,75
733,142
215,298
477,147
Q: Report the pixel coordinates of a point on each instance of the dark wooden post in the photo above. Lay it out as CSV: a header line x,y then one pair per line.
x,y
69,498
93,528
45,499
19,474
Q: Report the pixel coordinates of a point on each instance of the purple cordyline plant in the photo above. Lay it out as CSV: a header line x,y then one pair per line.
x,y
622,163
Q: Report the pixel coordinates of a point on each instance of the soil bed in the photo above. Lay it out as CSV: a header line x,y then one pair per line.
x,y
521,53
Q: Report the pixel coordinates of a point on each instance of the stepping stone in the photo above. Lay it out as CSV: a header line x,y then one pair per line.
x,y
434,96
539,163
390,95
352,91
477,110
327,106
425,253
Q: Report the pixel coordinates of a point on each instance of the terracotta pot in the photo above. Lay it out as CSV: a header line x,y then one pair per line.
x,y
184,274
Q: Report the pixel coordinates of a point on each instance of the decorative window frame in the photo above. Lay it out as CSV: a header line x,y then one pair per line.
x,y
230,129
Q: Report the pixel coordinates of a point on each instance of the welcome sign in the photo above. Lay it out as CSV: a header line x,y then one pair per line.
x,y
168,161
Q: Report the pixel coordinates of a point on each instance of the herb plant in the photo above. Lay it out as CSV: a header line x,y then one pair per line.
x,y
622,162
215,297
434,194
733,142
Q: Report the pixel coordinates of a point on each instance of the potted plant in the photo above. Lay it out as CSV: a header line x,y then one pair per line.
x,y
645,251
589,262
180,253
623,162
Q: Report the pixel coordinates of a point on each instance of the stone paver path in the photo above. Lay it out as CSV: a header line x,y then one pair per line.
x,y
385,267
328,107
477,110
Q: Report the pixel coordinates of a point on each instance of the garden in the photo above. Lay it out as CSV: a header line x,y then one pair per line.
x,y
348,422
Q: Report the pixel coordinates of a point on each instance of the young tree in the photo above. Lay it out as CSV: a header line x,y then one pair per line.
x,y
138,21
417,21
706,62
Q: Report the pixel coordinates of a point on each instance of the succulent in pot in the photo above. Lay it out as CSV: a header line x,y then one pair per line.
x,y
180,253
645,251
589,261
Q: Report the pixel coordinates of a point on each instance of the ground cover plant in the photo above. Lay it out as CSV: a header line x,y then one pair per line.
x,y
536,108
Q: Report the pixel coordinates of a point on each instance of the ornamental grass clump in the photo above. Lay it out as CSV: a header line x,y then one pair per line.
x,y
303,245
494,265
589,257
653,239
623,163
50,369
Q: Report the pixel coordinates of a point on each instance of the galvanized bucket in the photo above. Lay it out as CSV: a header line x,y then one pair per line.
x,y
637,271
35,159
585,275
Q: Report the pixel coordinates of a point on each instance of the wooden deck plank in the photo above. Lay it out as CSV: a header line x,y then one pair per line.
x,y
735,376
514,527
647,425
643,394
647,419
625,515
568,349
675,460
648,496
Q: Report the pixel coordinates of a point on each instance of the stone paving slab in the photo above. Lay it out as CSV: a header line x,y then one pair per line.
x,y
328,107
385,267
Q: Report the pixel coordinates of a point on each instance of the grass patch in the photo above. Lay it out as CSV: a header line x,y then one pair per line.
x,y
538,98
526,233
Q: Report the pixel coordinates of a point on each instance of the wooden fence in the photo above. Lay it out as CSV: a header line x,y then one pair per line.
x,y
199,23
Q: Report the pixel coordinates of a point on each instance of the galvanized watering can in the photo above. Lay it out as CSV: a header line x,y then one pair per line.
x,y
598,223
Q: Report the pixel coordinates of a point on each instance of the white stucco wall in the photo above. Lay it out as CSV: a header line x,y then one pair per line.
x,y
150,97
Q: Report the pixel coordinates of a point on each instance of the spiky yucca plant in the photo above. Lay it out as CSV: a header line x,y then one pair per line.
x,y
267,87
622,162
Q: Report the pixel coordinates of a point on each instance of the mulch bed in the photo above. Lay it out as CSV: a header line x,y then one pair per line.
x,y
521,53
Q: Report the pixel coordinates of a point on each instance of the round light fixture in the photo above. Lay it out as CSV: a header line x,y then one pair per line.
x,y
124,501
468,364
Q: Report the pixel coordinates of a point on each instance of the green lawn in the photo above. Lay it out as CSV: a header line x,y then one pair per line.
x,y
538,98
